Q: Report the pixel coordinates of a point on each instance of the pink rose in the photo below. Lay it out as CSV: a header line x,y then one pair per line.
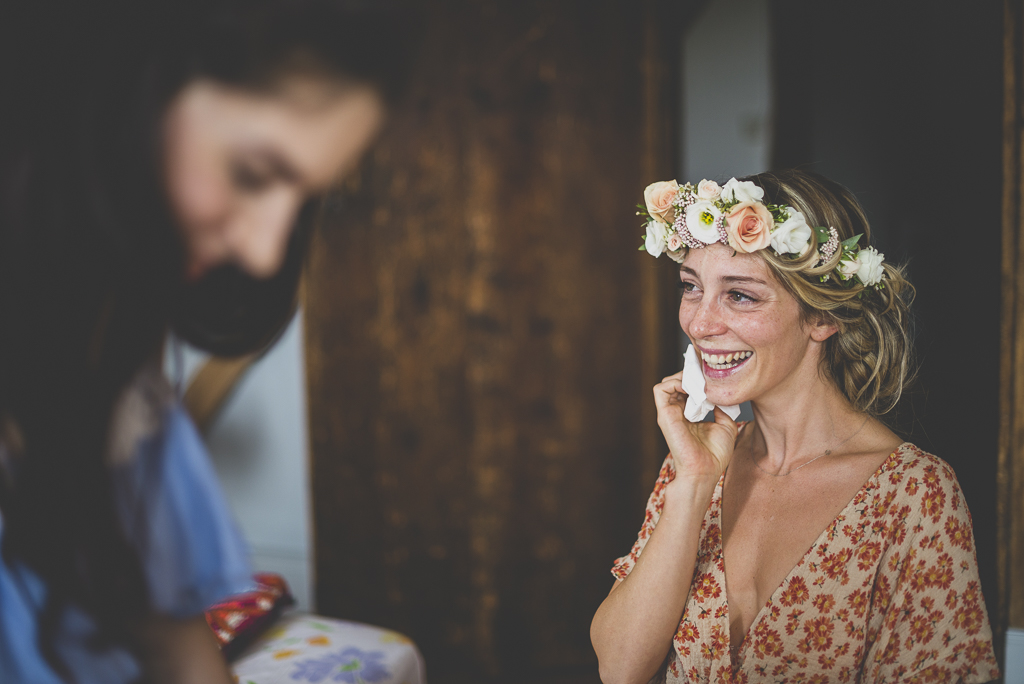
x,y
848,269
749,227
659,197
674,242
709,190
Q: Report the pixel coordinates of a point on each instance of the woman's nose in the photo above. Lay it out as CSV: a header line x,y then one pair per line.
x,y
707,320
260,239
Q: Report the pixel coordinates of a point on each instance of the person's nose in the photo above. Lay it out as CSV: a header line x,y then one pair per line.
x,y
261,238
707,320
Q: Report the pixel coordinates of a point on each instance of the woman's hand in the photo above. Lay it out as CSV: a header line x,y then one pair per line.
x,y
699,450
632,630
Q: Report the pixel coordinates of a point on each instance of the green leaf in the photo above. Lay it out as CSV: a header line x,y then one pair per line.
x,y
852,242
823,235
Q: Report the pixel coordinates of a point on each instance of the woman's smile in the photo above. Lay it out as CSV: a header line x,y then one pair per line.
x,y
745,325
719,363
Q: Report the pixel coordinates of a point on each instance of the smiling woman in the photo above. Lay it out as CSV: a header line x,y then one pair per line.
x,y
160,164
850,553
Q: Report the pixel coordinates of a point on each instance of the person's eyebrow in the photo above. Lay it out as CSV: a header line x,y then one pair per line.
x,y
743,279
726,279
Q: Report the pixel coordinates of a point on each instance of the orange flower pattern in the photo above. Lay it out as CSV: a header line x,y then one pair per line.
x,y
889,592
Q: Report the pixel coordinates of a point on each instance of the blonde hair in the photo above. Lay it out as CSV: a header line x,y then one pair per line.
x,y
870,358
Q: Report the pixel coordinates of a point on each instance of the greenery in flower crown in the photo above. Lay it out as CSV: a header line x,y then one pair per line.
x,y
680,217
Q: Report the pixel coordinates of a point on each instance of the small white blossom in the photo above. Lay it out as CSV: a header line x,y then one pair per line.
x,y
701,219
657,233
741,191
870,262
793,235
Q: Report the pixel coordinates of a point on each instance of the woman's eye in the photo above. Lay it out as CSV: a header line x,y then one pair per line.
x,y
739,297
686,286
249,179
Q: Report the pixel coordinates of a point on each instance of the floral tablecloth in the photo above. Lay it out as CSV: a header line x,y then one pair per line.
x,y
309,648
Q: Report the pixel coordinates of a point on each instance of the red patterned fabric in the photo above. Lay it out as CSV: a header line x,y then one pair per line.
x,y
889,592
239,619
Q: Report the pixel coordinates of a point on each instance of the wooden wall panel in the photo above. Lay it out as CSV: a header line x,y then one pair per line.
x,y
1011,439
482,336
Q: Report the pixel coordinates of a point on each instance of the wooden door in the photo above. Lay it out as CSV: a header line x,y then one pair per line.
x,y
483,334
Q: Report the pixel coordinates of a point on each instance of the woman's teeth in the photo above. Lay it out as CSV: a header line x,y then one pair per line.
x,y
725,361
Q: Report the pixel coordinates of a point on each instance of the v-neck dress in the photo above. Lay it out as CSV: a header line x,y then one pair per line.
x,y
889,592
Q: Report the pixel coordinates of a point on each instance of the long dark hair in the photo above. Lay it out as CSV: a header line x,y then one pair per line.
x,y
91,262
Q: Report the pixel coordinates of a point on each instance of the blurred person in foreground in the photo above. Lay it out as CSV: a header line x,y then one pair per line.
x,y
811,544
159,167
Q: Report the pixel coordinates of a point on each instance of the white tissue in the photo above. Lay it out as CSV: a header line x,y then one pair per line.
x,y
697,404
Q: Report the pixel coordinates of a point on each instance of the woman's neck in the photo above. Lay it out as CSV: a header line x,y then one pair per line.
x,y
796,424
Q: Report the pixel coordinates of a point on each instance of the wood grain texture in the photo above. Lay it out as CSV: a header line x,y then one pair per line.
x,y
1011,444
482,336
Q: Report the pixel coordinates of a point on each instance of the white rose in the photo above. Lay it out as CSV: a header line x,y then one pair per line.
x,y
793,235
870,269
709,190
701,219
657,232
741,191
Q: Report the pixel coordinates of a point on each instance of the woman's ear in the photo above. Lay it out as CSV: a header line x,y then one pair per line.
x,y
823,328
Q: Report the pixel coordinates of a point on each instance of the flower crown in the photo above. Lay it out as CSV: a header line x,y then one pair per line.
x,y
684,216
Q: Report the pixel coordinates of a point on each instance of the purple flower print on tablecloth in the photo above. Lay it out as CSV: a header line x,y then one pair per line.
x,y
351,665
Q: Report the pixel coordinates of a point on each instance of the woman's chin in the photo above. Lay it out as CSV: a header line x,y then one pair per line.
x,y
719,398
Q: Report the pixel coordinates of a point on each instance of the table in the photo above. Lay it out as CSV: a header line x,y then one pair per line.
x,y
309,648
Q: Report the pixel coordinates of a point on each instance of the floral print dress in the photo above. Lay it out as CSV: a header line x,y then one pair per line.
x,y
889,592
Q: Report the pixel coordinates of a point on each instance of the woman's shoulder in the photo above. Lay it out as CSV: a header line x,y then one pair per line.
x,y
916,481
914,462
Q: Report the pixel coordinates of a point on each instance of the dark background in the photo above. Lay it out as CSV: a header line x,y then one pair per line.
x,y
482,333
902,103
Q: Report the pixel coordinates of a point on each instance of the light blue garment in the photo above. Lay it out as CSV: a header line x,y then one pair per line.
x,y
191,550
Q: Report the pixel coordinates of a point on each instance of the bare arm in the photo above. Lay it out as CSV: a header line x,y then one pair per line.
x,y
182,652
633,629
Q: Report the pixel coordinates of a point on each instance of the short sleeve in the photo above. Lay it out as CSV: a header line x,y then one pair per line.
x,y
655,504
931,622
174,511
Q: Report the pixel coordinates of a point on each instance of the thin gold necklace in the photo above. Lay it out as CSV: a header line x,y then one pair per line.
x,y
828,452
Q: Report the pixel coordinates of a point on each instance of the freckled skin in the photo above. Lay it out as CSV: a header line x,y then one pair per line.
x,y
745,316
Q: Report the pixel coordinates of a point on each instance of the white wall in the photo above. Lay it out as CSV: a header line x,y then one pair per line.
x,y
1014,670
259,446
727,92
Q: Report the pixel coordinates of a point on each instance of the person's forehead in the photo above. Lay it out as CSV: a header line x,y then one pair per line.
x,y
719,261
